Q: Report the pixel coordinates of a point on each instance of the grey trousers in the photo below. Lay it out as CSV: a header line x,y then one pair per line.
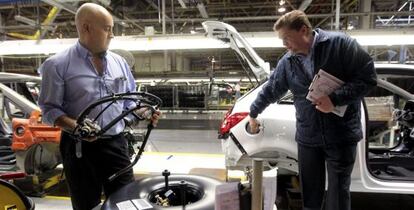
x,y
313,162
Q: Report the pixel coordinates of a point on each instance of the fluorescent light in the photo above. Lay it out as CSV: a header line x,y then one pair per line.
x,y
165,43
281,10
27,47
185,42
386,40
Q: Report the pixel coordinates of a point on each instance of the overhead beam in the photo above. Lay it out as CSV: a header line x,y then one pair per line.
x,y
153,5
40,33
202,9
63,6
25,20
304,5
182,3
271,17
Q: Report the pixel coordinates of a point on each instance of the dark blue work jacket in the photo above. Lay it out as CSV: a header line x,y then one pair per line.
x,y
341,56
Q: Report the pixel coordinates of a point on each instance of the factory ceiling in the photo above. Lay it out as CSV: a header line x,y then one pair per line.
x,y
51,19
38,19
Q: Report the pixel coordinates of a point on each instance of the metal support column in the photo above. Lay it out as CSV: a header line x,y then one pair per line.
x,y
173,55
164,32
365,22
338,10
257,185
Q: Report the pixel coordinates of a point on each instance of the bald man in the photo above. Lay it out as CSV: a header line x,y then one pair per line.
x,y
73,79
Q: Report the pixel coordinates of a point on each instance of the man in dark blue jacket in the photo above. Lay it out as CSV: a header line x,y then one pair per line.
x,y
322,136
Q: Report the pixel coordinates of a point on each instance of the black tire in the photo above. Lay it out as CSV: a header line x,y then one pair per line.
x,y
5,140
143,189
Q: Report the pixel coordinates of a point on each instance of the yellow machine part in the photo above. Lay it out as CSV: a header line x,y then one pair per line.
x,y
9,199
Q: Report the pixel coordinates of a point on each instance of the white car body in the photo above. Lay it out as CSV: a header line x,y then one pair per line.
x,y
275,143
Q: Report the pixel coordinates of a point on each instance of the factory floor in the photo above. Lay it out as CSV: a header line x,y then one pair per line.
x,y
180,151
184,147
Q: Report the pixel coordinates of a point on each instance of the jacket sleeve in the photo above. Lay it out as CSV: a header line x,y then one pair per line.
x,y
273,90
360,71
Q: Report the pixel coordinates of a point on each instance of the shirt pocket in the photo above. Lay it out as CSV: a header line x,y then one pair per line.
x,y
116,85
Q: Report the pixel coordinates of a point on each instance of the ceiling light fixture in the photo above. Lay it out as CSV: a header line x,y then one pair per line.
x,y
281,10
187,42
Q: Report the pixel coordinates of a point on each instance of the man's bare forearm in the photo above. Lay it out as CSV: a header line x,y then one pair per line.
x,y
66,123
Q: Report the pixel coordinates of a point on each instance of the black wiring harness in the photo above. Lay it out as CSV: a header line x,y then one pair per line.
x,y
146,103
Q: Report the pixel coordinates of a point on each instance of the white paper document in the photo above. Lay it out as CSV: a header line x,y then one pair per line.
x,y
136,204
126,205
227,197
269,192
324,84
142,204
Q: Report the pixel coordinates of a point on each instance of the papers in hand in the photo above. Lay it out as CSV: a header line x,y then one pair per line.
x,y
324,84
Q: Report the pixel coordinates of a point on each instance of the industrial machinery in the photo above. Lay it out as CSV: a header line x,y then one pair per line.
x,y
171,192
34,144
11,196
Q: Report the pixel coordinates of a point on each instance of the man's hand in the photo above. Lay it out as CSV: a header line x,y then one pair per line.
x,y
324,104
146,114
155,117
254,125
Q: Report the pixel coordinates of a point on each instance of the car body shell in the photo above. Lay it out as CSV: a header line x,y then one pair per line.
x,y
275,143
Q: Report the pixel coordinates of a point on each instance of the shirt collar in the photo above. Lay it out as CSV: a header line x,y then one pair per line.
x,y
322,35
315,37
83,52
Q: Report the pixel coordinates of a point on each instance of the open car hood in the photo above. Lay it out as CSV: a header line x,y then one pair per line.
x,y
229,35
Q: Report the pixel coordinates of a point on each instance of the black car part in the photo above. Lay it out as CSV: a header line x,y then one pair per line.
x,y
189,192
7,156
405,118
87,127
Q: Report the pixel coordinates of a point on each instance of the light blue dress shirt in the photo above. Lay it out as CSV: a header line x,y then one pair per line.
x,y
70,83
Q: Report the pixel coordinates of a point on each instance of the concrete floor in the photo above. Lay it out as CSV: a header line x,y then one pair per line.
x,y
184,141
166,149
169,148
